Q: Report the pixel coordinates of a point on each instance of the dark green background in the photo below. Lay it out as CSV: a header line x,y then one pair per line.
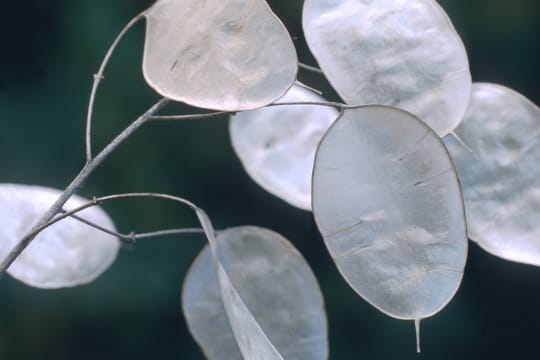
x,y
49,51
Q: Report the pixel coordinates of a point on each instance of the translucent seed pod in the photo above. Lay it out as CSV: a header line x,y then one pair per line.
x,y
499,170
225,55
68,253
401,53
277,144
388,204
276,285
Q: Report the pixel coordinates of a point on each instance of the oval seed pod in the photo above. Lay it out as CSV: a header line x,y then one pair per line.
x,y
500,172
68,253
387,202
277,144
226,55
401,53
250,338
275,283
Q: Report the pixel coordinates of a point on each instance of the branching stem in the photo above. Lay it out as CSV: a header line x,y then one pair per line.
x,y
76,183
132,236
99,200
93,162
337,105
97,79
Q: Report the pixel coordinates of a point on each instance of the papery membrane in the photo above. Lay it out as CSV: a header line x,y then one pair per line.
x,y
65,254
500,172
225,55
392,52
277,144
387,202
276,285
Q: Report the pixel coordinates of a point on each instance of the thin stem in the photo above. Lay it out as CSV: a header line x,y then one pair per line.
x,y
460,141
310,68
318,103
417,333
190,116
168,232
307,87
337,105
133,236
76,183
97,79
99,200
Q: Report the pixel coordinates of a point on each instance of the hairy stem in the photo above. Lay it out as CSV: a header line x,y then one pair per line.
x,y
76,183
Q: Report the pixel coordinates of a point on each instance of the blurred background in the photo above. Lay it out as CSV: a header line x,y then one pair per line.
x,y
49,51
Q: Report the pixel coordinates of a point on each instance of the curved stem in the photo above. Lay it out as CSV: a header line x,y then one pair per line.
x,y
97,79
133,236
336,105
98,200
76,183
